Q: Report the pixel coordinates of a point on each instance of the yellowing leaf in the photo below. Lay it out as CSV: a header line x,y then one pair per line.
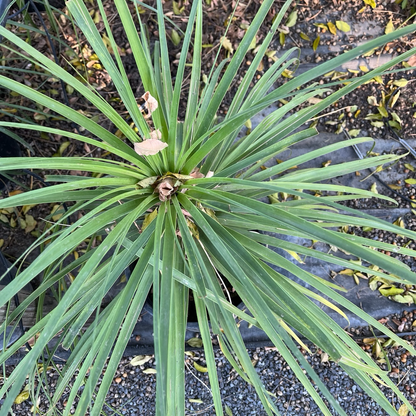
x,y
327,163
371,3
195,342
274,198
147,182
253,44
369,53
409,166
377,124
382,110
394,99
389,27
32,409
316,43
410,181
176,39
226,44
289,330
148,218
304,36
348,272
374,188
196,401
372,100
354,132
364,68
373,117
149,371
323,26
403,299
228,411
295,256
62,149
27,208
200,368
13,222
30,223
403,411
291,20
56,217
378,79
343,26
391,291
21,397
396,187
332,28
176,9
401,82
140,360
282,38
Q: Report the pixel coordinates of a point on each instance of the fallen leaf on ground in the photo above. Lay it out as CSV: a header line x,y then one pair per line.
x,y
227,45
403,411
149,371
140,360
195,342
22,396
200,368
343,26
316,43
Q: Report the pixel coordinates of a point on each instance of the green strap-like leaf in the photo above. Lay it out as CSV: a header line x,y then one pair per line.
x,y
118,75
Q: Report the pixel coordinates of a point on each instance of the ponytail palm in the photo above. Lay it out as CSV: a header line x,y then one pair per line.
x,y
180,204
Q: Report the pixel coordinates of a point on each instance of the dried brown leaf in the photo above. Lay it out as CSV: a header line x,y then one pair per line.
x,y
151,102
149,147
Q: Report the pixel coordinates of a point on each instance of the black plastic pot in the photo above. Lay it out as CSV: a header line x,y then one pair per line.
x,y
8,148
40,5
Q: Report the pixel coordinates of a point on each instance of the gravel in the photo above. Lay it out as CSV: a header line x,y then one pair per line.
x,y
133,391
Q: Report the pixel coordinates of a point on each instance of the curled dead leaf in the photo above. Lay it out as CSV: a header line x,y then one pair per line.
x,y
155,135
166,188
197,174
412,60
150,146
151,102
